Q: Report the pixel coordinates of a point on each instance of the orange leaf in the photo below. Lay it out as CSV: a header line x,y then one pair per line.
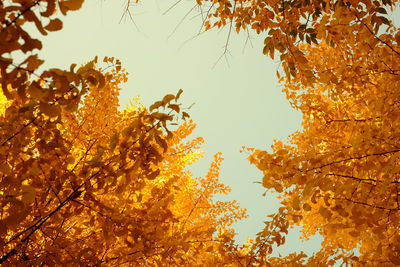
x,y
54,25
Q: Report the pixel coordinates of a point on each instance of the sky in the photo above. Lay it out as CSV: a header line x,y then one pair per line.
x,y
237,100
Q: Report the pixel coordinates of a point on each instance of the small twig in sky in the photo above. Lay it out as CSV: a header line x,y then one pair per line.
x,y
127,11
191,38
227,39
181,21
171,7
223,55
248,40
204,18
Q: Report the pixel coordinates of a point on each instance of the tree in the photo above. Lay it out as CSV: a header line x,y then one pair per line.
x,y
338,175
341,170
83,183
76,170
287,24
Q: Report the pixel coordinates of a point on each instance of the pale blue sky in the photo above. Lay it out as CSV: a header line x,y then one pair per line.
x,y
236,105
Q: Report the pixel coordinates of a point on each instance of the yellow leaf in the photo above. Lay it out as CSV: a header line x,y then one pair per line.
x,y
28,194
161,142
54,25
306,207
325,212
156,105
36,91
33,63
174,107
72,4
354,233
153,175
168,98
161,116
296,203
178,94
50,110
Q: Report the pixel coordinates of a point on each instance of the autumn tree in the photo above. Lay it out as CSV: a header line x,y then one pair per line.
x,y
338,175
77,170
286,24
85,183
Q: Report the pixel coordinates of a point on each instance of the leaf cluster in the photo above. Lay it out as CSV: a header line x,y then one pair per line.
x,y
83,183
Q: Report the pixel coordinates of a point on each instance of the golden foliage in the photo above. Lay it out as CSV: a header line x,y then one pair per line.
x,y
338,176
83,183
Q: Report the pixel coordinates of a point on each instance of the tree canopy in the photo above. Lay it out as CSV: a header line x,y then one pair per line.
x,y
338,175
83,182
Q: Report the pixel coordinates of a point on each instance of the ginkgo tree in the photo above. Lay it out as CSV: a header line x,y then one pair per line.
x,y
338,176
286,24
84,183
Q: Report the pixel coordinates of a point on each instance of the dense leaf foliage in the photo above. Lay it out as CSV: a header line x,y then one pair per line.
x,y
83,183
289,23
339,175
